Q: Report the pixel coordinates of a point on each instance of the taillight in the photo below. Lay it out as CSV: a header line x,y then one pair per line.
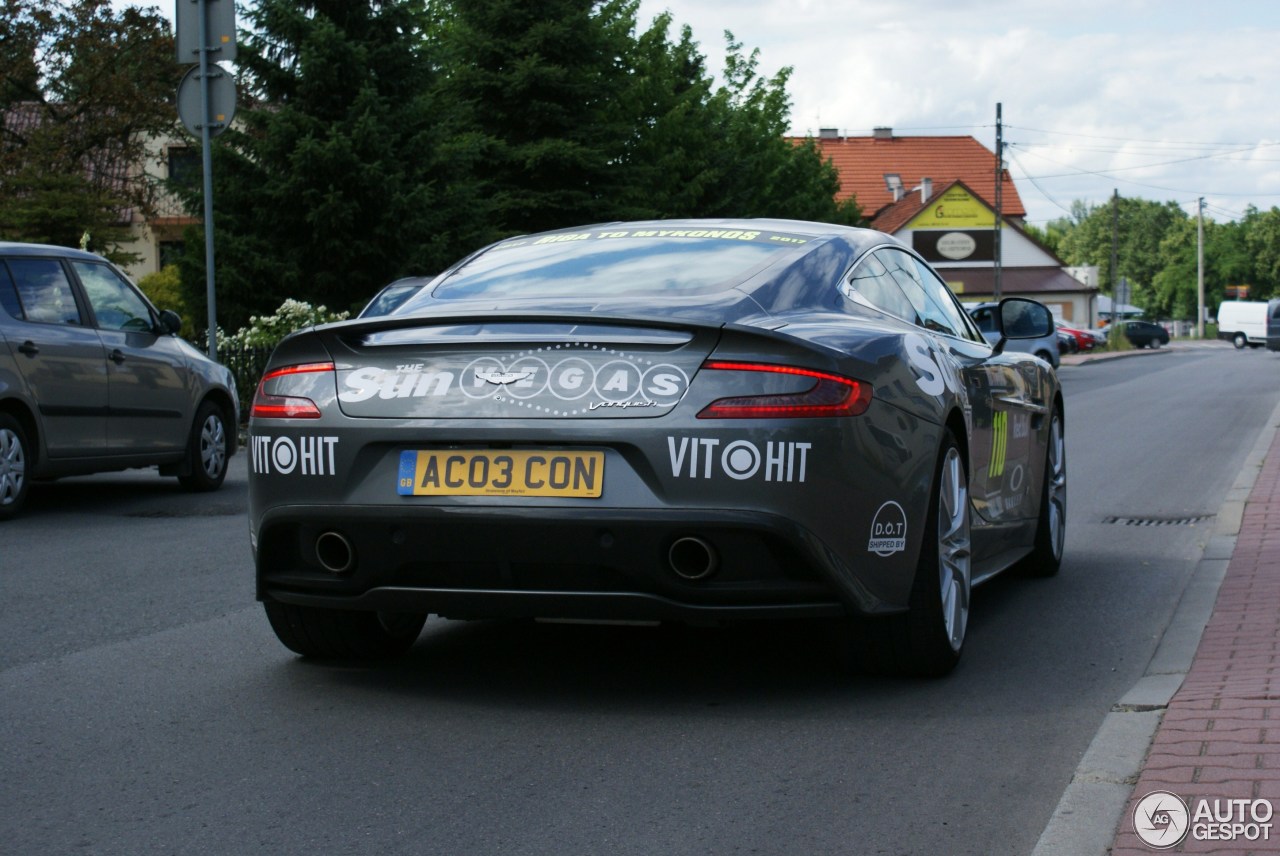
x,y
830,395
268,406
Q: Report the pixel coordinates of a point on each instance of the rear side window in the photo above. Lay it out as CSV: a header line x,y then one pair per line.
x,y
9,294
45,291
873,284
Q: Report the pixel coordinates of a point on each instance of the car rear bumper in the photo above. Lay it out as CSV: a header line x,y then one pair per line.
x,y
505,562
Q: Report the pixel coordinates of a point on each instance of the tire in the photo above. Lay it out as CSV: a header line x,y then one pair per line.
x,y
1154,344
206,450
1051,529
928,639
14,457
1239,341
328,634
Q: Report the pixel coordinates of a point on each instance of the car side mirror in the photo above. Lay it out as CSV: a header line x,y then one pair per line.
x,y
1021,318
169,322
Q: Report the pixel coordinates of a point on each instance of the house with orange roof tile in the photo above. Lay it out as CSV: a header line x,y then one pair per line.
x,y
937,195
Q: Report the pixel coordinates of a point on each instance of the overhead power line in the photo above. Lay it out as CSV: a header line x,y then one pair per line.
x,y
1111,174
1130,139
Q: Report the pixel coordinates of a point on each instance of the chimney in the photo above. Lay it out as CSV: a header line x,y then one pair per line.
x,y
828,133
882,133
893,182
926,189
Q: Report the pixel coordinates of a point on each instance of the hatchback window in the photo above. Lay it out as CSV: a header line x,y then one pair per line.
x,y
115,304
45,291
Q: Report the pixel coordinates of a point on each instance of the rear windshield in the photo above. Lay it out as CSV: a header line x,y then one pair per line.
x,y
601,263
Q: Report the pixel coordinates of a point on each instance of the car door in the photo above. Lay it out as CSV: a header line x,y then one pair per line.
x,y
1001,402
60,357
149,391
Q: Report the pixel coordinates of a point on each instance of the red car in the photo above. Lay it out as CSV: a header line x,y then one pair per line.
x,y
1085,340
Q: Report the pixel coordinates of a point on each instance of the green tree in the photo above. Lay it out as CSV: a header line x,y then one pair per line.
x,y
698,151
1141,227
334,181
164,288
1262,243
540,84
82,88
1055,232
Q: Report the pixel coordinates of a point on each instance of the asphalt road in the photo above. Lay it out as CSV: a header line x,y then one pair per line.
x,y
146,707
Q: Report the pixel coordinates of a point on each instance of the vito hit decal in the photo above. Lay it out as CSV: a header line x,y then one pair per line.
x,y
709,457
304,456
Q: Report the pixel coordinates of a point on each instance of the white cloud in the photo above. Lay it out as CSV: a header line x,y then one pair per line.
x,y
1132,79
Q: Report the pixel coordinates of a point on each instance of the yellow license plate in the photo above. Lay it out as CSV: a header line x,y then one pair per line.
x,y
460,472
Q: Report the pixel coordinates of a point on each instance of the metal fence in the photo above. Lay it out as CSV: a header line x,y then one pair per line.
x,y
247,365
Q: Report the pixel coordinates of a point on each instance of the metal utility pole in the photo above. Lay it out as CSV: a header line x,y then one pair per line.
x,y
1200,268
997,290
1115,252
206,104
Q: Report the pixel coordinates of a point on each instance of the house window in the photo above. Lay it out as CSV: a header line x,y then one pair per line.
x,y
170,252
184,166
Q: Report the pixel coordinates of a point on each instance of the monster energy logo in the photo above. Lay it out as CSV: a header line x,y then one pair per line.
x,y
999,444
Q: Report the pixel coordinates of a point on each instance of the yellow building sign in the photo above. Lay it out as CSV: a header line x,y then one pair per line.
x,y
955,209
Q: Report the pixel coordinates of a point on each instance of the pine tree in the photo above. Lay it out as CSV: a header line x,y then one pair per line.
x,y
334,181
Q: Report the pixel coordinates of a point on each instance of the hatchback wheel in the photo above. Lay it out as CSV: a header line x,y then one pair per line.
x,y
207,450
13,466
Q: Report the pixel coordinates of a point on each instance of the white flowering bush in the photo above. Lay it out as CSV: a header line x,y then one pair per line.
x,y
264,331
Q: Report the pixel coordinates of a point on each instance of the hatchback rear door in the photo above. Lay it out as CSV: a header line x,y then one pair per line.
x,y
61,358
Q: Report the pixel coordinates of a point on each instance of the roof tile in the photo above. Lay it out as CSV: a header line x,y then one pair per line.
x,y
863,163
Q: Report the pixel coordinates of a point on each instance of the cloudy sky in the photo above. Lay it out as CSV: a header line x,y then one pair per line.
x,y
1158,99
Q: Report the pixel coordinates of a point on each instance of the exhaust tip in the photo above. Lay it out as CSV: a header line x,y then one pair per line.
x,y
693,558
334,552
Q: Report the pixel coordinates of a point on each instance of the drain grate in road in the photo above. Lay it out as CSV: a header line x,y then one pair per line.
x,y
1190,520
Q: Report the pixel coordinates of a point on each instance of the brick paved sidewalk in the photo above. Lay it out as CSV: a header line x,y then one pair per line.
x,y
1220,737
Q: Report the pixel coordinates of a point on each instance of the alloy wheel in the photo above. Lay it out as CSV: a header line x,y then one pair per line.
x,y
213,446
954,549
13,466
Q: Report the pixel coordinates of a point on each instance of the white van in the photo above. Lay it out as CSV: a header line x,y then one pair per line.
x,y
1243,322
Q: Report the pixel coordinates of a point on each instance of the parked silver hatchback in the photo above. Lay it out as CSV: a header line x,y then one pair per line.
x,y
94,378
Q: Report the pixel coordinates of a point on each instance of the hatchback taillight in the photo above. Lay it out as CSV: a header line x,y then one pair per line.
x,y
280,406
830,395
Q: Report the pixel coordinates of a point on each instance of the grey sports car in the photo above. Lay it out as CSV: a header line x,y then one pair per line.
x,y
659,421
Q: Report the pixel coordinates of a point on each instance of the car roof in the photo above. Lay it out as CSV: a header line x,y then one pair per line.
x,y
14,248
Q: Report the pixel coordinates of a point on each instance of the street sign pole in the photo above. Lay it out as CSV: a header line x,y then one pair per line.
x,y
207,156
208,111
